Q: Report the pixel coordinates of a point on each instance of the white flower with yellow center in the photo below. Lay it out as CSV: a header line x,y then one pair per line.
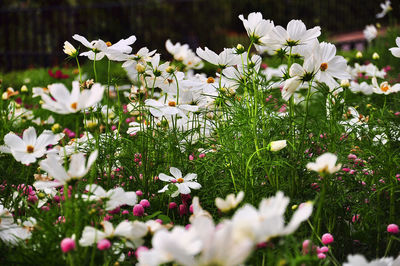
x,y
65,102
30,147
384,87
184,184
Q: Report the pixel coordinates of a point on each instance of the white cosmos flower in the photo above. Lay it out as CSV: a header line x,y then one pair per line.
x,y
386,7
98,49
298,74
359,260
30,147
258,29
384,87
396,50
226,58
295,34
231,202
268,221
66,102
144,55
183,54
362,87
114,197
330,65
132,231
178,245
10,232
77,169
370,32
325,164
184,184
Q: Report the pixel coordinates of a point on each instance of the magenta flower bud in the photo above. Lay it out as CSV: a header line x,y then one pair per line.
x,y
103,244
327,239
172,205
324,249
321,256
45,208
145,203
306,246
355,218
393,228
139,193
115,211
125,212
191,208
182,210
107,217
202,155
67,244
114,127
352,156
138,210
191,157
140,249
187,227
159,221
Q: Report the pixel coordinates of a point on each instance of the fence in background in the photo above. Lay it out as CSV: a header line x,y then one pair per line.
x,y
34,36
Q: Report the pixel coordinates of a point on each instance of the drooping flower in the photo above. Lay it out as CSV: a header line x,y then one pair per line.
x,y
30,147
325,164
184,184
66,102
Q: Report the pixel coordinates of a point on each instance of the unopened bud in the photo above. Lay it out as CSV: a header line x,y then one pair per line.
x,y
375,56
359,54
345,83
24,88
140,68
170,69
240,49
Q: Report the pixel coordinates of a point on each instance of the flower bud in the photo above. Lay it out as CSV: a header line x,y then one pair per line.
x,y
24,88
140,68
375,56
240,49
359,54
69,49
345,83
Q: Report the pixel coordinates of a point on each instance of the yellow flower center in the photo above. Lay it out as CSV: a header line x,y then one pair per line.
x,y
172,103
210,80
74,105
180,180
323,67
385,87
30,149
108,44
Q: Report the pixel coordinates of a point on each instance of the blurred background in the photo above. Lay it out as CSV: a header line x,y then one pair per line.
x,y
33,32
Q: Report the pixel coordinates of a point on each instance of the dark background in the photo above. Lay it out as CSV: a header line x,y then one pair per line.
x,y
32,33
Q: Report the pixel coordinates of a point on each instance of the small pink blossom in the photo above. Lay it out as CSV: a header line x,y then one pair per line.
x,y
67,244
393,228
327,239
104,244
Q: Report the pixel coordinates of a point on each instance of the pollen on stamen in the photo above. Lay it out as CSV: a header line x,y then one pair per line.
x,y
323,67
108,44
384,87
172,103
180,180
210,80
30,149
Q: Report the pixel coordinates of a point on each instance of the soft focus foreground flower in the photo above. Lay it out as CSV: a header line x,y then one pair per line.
x,y
30,147
66,102
386,7
325,164
277,145
359,260
77,169
370,32
231,202
184,184
396,50
11,233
